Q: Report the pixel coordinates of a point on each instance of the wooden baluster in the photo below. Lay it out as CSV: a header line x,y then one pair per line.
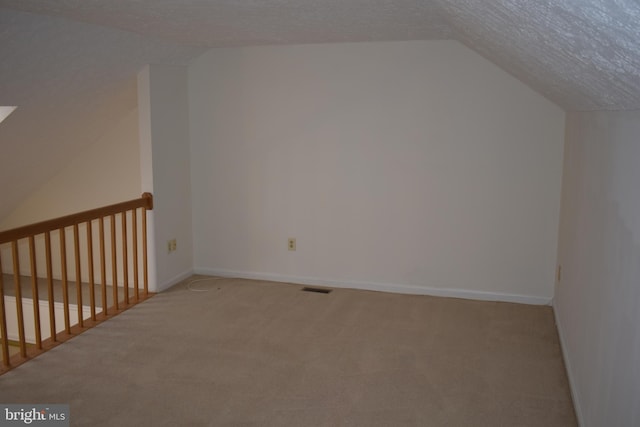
x,y
103,268
52,310
134,245
3,322
145,267
14,236
18,286
114,262
65,284
125,260
92,291
76,251
29,232
34,291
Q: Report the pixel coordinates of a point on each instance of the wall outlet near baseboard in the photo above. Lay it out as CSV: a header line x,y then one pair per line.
x,y
172,245
291,245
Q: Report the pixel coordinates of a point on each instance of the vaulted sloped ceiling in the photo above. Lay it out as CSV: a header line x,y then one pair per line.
x,y
70,65
581,54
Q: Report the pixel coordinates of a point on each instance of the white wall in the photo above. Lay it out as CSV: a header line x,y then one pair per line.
x,y
105,173
597,301
164,144
409,166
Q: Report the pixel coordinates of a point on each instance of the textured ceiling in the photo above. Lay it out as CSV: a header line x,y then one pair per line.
x,y
581,54
216,23
70,65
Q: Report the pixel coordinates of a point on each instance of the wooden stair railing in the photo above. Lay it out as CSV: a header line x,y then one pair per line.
x,y
118,256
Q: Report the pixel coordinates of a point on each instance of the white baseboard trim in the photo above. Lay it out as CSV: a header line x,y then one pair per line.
x,y
174,280
567,365
374,286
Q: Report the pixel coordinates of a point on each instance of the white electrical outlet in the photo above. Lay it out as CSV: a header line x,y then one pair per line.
x,y
172,245
291,245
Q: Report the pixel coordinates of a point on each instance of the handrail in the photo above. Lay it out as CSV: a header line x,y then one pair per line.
x,y
146,201
81,260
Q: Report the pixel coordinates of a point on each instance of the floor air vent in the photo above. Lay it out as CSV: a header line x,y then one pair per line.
x,y
317,290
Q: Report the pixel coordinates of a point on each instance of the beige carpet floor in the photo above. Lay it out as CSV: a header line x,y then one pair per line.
x,y
252,353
